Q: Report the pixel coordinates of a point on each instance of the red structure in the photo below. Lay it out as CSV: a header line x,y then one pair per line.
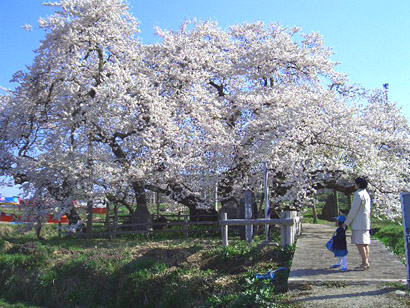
x,y
18,205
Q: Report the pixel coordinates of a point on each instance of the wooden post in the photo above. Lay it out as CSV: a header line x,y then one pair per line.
x,y
288,233
186,226
224,216
59,228
107,215
115,222
298,224
283,232
89,227
293,228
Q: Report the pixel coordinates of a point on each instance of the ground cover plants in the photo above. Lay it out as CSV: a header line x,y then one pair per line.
x,y
139,272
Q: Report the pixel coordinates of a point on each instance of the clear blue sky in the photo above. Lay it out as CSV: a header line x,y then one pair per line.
x,y
371,38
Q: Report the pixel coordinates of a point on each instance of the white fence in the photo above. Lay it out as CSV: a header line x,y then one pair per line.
x,y
291,226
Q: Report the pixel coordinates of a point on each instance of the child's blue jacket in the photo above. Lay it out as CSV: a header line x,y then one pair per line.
x,y
339,239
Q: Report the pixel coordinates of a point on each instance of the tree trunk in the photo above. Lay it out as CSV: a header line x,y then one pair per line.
x,y
107,216
349,202
141,215
336,202
314,213
177,193
157,201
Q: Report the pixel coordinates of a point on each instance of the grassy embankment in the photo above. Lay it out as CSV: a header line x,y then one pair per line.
x,y
136,271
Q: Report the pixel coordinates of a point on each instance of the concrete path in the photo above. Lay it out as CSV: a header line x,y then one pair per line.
x,y
311,262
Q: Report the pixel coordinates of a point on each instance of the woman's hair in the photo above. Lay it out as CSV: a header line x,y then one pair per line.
x,y
361,182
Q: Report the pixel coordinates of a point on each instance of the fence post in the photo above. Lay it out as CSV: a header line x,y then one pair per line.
x,y
293,228
186,226
288,233
299,224
283,231
115,223
224,216
59,227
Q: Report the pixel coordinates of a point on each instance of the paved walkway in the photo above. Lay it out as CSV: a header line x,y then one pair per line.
x,y
311,262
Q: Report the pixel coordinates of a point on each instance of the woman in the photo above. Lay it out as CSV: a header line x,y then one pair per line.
x,y
359,220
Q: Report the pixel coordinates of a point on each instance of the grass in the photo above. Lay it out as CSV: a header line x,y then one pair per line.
x,y
5,304
391,235
159,270
138,271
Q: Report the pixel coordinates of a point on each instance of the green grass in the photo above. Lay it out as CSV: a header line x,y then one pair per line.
x,y
391,235
139,271
5,304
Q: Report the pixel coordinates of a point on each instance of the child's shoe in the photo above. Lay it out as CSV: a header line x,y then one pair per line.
x,y
343,269
335,266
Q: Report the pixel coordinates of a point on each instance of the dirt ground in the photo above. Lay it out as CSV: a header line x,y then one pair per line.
x,y
351,296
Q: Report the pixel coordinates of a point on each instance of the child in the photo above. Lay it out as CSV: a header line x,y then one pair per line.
x,y
339,245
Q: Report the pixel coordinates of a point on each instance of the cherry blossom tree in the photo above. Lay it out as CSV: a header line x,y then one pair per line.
x,y
104,113
86,92
283,102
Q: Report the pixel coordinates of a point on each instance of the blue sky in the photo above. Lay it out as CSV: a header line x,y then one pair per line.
x,y
370,38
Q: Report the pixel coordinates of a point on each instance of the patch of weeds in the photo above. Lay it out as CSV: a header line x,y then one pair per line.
x,y
140,282
146,263
32,248
236,250
252,293
11,263
187,288
334,284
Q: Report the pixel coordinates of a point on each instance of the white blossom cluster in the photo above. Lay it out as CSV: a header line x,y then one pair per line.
x,y
99,112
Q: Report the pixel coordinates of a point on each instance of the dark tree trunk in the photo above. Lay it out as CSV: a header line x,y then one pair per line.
x,y
141,216
314,213
336,202
178,193
73,217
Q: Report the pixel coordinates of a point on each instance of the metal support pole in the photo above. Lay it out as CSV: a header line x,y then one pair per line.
x,y
186,226
216,196
248,215
266,192
224,230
